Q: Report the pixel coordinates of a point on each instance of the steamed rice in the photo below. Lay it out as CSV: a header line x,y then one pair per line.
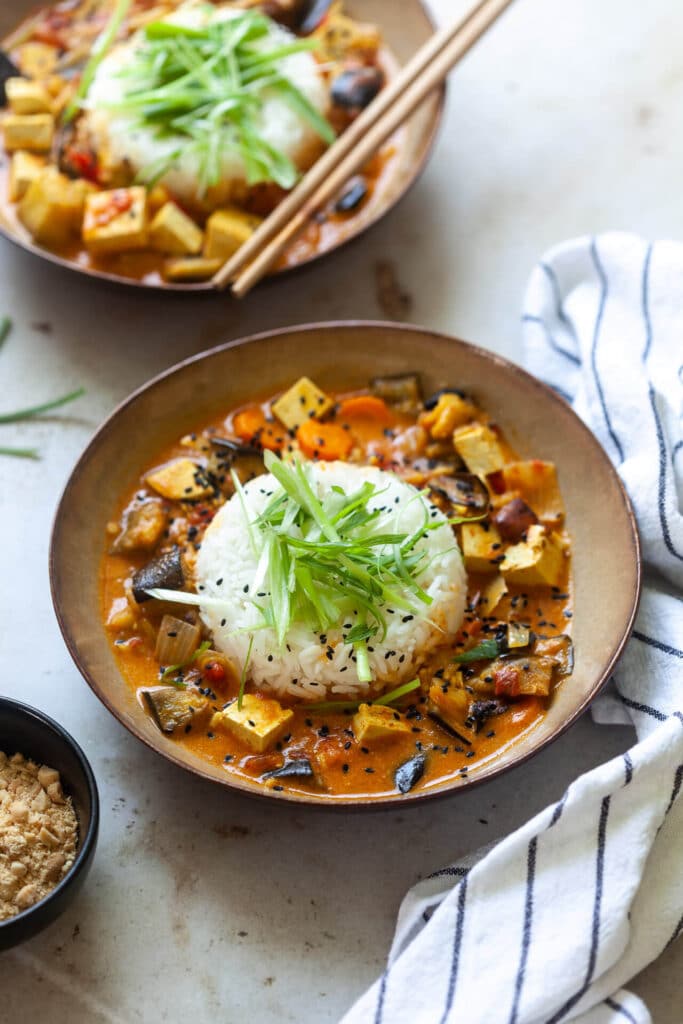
x,y
123,143
310,666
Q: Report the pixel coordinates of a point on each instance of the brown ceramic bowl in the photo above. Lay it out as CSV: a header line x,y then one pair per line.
x,y
344,356
405,27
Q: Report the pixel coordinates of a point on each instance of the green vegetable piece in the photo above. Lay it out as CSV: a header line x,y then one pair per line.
x,y
490,648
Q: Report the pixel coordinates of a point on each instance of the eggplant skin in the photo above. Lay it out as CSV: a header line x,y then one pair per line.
x,y
165,571
300,769
409,773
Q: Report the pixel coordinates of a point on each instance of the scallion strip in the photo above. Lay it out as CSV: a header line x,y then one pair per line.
x,y
99,50
37,410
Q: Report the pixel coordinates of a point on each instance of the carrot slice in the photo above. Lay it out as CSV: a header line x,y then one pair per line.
x,y
364,407
251,425
326,441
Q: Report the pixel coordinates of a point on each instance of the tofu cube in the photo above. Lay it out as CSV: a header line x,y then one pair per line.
x,y
304,400
52,207
537,561
260,723
536,481
227,230
37,60
450,411
27,97
479,448
373,722
180,480
452,705
481,547
24,168
172,231
116,220
194,268
28,131
157,196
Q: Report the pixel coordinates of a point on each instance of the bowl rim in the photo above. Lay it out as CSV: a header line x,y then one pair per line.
x,y
205,287
89,839
359,802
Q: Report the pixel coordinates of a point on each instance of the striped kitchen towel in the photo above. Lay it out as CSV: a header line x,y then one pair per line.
x,y
549,924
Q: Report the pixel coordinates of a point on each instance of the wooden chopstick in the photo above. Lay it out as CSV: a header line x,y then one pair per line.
x,y
424,72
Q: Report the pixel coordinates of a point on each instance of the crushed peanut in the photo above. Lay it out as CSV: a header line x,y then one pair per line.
x,y
38,833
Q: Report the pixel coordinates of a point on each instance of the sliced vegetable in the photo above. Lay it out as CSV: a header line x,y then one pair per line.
x,y
408,774
518,636
489,648
245,459
364,407
172,708
514,519
176,643
166,570
327,441
480,711
402,391
352,196
466,495
252,427
356,87
299,769
142,527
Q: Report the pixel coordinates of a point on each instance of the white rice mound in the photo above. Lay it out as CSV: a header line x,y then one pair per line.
x,y
308,668
121,143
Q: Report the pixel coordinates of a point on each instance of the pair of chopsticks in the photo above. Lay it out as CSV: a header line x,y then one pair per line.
x,y
352,150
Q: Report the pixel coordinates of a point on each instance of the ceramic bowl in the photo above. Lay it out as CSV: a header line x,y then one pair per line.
x,y
405,27
344,356
25,730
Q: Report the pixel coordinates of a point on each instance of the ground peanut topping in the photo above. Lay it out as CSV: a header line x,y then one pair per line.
x,y
38,833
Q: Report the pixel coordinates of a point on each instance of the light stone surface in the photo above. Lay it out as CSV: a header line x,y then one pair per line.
x,y
565,120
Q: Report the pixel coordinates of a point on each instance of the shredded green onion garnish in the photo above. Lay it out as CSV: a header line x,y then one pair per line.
x,y
100,47
204,646
206,87
5,327
243,676
353,705
21,453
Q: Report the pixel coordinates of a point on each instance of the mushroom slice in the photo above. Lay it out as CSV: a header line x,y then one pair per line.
x,y
465,494
165,572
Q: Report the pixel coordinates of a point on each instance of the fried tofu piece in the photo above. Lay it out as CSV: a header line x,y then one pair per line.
x,y
116,220
173,708
26,97
537,561
37,60
373,722
260,723
227,230
450,412
180,480
481,547
24,169
52,207
479,448
304,400
28,131
157,196
452,705
172,231
194,268
537,482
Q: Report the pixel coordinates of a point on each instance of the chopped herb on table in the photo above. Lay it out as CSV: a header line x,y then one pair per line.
x,y
29,412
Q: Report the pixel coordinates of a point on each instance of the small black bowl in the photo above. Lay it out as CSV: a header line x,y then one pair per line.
x,y
33,734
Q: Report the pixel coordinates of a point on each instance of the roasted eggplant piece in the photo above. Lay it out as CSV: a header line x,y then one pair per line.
x,y
560,649
482,710
7,70
443,724
433,400
228,454
164,572
355,88
514,519
142,526
409,773
172,708
299,769
352,196
301,16
403,392
466,495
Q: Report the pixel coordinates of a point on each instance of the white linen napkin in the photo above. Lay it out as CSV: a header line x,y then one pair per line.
x,y
547,925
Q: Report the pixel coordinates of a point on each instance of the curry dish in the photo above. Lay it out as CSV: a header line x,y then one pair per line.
x,y
149,140
351,594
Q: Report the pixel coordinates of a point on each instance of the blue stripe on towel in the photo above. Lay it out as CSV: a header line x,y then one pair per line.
x,y
661,489
657,643
457,945
528,318
594,347
526,928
